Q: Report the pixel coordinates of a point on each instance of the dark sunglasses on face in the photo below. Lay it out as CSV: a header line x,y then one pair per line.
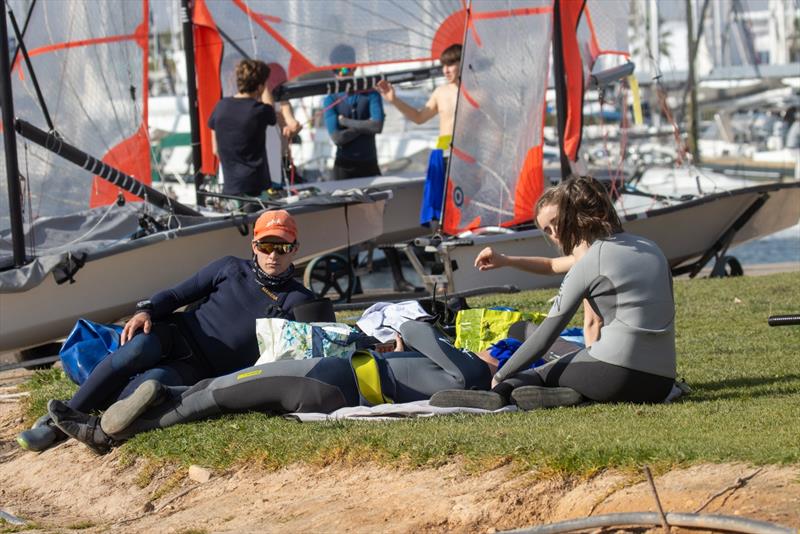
x,y
280,248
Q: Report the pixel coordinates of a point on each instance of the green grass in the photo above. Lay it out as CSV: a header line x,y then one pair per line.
x,y
744,407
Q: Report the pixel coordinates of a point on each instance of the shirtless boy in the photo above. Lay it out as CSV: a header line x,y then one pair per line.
x,y
442,103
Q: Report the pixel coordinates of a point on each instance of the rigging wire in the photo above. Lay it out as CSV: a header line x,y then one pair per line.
x,y
86,234
251,28
400,5
27,192
95,50
66,81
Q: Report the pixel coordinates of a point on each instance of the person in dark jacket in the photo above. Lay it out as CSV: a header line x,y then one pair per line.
x,y
213,338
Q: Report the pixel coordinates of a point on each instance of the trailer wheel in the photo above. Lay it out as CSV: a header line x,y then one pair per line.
x,y
727,266
331,276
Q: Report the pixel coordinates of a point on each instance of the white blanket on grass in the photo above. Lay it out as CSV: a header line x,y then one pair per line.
x,y
391,412
408,410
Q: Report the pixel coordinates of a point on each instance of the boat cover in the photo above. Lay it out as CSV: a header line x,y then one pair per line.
x,y
53,239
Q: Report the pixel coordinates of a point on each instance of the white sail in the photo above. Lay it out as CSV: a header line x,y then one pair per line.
x,y
302,37
495,171
93,75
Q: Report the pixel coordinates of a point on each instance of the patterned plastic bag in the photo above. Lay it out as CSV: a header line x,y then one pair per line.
x,y
280,339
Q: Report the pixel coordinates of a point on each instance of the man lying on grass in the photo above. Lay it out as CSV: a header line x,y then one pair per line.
x,y
429,365
627,281
212,339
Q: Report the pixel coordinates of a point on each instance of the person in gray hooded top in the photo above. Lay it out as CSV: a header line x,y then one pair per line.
x,y
627,281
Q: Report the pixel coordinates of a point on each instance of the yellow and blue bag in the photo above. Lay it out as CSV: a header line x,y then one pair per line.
x,y
478,328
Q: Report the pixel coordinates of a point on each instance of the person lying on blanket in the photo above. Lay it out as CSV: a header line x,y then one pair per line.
x,y
627,280
426,364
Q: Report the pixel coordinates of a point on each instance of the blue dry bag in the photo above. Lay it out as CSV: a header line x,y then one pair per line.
x,y
86,346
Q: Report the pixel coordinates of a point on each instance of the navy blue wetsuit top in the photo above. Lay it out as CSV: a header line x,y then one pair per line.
x,y
360,107
241,128
223,326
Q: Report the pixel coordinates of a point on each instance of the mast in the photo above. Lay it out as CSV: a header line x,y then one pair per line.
x,y
693,118
560,87
655,52
191,87
10,145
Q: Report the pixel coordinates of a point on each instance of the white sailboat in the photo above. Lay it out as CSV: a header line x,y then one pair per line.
x,y
496,171
70,246
297,40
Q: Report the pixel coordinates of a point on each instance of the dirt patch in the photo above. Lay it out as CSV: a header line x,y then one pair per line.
x,y
69,487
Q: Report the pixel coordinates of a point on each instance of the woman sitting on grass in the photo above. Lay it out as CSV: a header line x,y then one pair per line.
x,y
627,280
488,259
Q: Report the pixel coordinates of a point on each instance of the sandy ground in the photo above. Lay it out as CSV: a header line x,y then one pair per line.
x,y
69,488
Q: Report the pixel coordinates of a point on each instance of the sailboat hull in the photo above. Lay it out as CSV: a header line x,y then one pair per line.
x,y
107,287
684,232
401,216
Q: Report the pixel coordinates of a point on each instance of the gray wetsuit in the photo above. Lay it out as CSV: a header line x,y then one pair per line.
x,y
628,283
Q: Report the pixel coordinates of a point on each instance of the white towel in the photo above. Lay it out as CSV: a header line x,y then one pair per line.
x,y
383,319
391,412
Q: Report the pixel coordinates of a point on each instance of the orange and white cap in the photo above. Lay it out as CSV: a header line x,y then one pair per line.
x,y
277,223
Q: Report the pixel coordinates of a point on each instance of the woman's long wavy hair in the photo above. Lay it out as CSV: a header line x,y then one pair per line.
x,y
585,211
250,74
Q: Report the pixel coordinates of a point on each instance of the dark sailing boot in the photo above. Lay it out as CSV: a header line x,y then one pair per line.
x,y
41,436
78,425
122,413
468,398
537,397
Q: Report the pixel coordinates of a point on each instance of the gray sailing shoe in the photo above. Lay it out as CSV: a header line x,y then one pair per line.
x,y
80,426
122,413
41,436
468,398
536,397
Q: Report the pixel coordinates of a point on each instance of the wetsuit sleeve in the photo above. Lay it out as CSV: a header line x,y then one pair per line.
x,y
363,126
339,135
572,292
191,290
376,107
373,125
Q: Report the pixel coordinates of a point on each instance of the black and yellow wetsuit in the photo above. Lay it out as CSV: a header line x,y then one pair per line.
x,y
326,384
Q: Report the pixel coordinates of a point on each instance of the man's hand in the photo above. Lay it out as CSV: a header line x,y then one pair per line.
x,y
140,321
291,129
386,90
487,259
